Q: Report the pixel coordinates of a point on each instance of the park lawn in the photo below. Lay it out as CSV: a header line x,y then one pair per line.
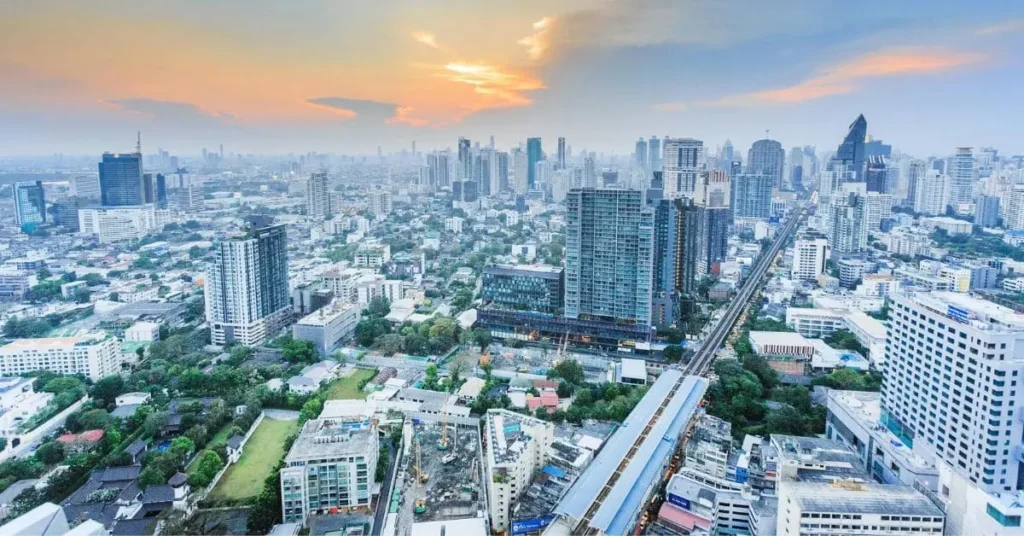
x,y
348,388
259,457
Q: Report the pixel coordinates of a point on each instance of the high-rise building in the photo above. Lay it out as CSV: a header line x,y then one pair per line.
x,y
640,157
154,189
589,171
848,232
877,207
751,195
519,176
961,179
682,163
65,213
87,187
876,175
465,163
29,204
609,253
915,172
438,170
713,189
654,153
318,198
795,161
712,238
533,155
482,171
767,157
810,254
561,153
517,447
986,211
247,297
380,203
727,152
931,193
1013,215
851,151
952,367
121,180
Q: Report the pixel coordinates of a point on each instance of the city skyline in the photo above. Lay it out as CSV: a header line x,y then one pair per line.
x,y
349,79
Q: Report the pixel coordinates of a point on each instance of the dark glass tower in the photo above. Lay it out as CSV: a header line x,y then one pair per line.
x,y
29,203
851,151
533,155
121,180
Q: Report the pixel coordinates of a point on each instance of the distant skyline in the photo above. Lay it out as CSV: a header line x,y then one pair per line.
x,y
318,75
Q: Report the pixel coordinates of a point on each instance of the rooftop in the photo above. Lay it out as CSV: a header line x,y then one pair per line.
x,y
861,498
513,269
322,438
980,314
55,343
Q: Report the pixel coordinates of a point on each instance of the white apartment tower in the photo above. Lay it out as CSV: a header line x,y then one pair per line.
x,y
848,232
517,447
809,257
318,197
961,191
380,203
682,163
931,193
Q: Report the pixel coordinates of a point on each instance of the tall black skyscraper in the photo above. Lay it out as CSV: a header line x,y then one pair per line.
x,y
875,174
465,161
851,151
121,180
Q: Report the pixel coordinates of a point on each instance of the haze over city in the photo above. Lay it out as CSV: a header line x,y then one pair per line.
x,y
343,77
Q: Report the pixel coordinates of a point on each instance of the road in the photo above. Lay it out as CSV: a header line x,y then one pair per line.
x,y
705,355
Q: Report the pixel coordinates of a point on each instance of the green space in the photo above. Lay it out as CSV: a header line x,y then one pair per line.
x,y
350,388
261,454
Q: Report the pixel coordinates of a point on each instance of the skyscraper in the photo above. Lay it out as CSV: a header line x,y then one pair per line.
x,y
318,198
465,170
609,254
654,155
533,155
876,175
961,179
675,255
767,157
751,195
154,189
520,175
499,172
931,193
640,157
561,153
848,231
915,173
712,196
986,211
121,180
851,151
247,298
437,170
29,204
683,161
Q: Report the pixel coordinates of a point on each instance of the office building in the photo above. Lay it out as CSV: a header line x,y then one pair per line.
x,y
856,508
121,180
328,327
533,155
330,466
609,255
640,157
517,447
768,158
247,298
531,287
95,355
961,175
118,224
561,153
876,175
654,155
65,213
682,163
847,228
482,172
29,204
154,189
499,173
86,187
465,162
815,323
810,254
851,153
519,175
986,211
751,196
318,197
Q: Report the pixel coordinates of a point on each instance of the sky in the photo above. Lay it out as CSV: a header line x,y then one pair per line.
x,y
340,76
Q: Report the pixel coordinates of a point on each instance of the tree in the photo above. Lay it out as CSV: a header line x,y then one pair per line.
x,y
569,370
300,351
3,444
369,329
154,423
182,446
151,477
673,353
430,382
28,328
206,469
378,307
462,300
94,419
390,344
482,338
106,390
50,453
785,420
311,409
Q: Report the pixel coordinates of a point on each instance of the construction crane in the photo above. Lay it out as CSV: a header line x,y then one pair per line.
x,y
420,475
443,443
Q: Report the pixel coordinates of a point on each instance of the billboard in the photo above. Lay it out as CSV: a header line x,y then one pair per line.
x,y
526,526
681,502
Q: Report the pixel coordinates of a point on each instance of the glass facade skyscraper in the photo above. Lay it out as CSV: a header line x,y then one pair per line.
x,y
751,195
537,287
121,180
851,151
609,256
533,155
29,203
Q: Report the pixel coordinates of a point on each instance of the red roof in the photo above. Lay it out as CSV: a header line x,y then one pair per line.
x,y
545,384
549,399
67,438
533,403
89,436
681,518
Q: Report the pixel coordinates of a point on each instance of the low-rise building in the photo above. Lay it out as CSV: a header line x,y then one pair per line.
x,y
328,328
93,354
815,323
517,447
143,332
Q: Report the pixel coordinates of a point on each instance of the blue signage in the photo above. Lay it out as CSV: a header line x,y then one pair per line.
x,y
958,314
681,502
526,526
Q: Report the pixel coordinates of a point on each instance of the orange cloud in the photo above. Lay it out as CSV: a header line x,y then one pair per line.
x,y
402,116
500,88
842,78
538,43
427,38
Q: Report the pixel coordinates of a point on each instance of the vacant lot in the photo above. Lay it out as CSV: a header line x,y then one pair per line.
x,y
348,388
261,454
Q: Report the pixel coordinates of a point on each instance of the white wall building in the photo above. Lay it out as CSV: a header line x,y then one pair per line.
x,y
517,447
855,509
809,258
931,194
94,354
453,224
117,224
815,323
328,327
143,332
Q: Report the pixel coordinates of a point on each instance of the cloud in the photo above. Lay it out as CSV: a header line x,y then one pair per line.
x,y
428,39
386,112
538,42
842,78
498,87
1012,25
168,110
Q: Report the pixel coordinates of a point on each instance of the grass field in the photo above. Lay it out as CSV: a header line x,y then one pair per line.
x,y
348,388
261,454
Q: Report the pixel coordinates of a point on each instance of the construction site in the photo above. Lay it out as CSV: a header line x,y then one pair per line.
x,y
441,473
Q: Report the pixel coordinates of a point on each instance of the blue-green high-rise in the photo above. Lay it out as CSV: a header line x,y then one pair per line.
x,y
533,155
121,180
29,204
609,256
